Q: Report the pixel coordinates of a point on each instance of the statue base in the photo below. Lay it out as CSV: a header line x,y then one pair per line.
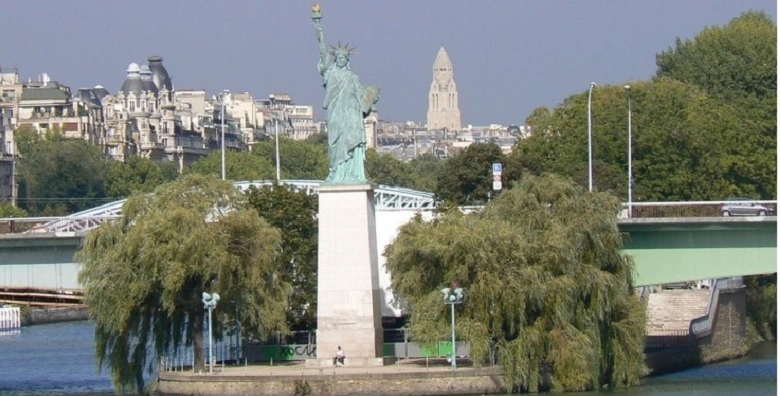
x,y
348,312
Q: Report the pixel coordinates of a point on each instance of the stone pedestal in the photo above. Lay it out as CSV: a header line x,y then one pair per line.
x,y
348,312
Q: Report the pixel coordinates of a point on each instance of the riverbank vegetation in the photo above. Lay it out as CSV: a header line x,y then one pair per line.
x,y
545,280
143,275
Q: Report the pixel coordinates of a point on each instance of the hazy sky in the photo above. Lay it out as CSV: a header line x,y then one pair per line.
x,y
510,56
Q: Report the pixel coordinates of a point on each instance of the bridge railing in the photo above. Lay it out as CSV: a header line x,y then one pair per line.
x,y
388,199
685,208
32,225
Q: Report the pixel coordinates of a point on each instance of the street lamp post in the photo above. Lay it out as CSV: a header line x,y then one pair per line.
x,y
276,133
222,120
210,302
590,139
630,175
453,295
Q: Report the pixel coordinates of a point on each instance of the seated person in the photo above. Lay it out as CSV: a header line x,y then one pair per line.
x,y
338,361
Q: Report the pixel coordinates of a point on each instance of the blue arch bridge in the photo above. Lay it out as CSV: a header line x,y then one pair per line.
x,y
671,242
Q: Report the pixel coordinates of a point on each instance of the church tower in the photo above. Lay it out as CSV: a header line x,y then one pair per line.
x,y
443,111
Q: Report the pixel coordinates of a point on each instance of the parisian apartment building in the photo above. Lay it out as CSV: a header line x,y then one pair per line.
x,y
146,116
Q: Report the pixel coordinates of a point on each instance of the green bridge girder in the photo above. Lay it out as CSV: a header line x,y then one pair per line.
x,y
670,250
665,250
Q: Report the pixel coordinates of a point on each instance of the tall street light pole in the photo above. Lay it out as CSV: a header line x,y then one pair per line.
x,y
210,302
630,177
222,120
276,133
590,139
453,295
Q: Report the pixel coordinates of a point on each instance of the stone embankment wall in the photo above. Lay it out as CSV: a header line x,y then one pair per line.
x,y
53,315
726,341
462,382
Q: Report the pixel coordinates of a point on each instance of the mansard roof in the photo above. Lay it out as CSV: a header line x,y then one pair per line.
x,y
133,82
160,75
44,93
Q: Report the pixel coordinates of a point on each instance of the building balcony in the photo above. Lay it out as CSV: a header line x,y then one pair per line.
x,y
150,146
187,150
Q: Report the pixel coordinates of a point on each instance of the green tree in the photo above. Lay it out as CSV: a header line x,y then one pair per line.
x,y
686,145
730,62
545,280
737,63
58,175
298,159
239,165
138,174
761,304
467,177
8,210
387,170
426,167
318,138
294,213
143,274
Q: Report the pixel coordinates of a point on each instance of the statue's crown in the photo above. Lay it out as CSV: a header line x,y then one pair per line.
x,y
342,50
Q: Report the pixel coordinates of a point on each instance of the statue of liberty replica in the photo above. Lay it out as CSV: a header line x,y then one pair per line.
x,y
348,293
347,102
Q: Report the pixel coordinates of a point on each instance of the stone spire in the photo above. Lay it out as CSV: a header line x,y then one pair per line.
x,y
443,111
442,60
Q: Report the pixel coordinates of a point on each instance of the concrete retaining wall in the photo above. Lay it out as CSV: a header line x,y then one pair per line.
x,y
726,341
53,315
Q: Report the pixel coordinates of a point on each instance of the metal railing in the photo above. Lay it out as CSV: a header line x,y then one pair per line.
x,y
685,208
669,339
387,198
33,225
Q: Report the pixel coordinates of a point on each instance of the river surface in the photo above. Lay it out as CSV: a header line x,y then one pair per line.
x,y
58,359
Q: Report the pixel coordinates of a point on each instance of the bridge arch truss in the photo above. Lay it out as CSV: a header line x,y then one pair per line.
x,y
385,198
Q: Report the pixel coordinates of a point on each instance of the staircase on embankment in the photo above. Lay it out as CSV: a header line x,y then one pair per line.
x,y
671,311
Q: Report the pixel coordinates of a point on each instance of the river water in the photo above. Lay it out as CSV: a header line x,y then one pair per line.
x,y
58,359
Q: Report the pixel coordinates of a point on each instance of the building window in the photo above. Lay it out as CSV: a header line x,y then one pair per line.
x,y
131,106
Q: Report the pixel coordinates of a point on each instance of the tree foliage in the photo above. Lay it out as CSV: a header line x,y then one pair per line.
x,y
761,303
467,177
241,165
546,284
298,159
730,62
58,175
388,170
8,210
426,167
143,275
686,145
138,174
737,64
704,128
294,213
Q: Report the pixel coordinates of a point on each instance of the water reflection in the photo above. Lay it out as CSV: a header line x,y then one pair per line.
x,y
58,359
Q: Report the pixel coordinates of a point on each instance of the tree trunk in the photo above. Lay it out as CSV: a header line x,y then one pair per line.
x,y
197,340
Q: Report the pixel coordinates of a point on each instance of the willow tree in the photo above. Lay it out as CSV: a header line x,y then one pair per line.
x,y
547,286
144,274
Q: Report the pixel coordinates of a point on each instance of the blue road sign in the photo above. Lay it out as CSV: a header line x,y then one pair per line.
x,y
497,168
